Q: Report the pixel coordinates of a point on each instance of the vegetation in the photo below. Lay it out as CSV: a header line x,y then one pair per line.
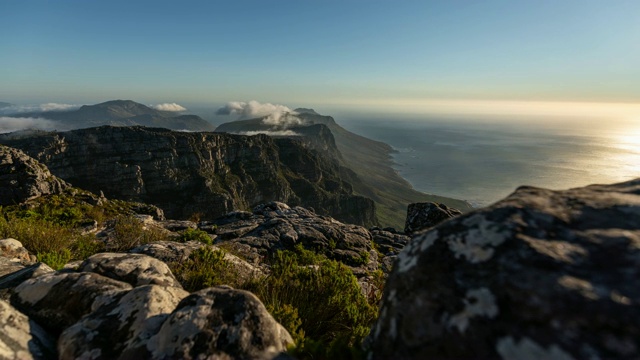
x,y
129,232
195,235
206,267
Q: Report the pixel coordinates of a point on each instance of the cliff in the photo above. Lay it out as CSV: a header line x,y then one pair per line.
x,y
196,174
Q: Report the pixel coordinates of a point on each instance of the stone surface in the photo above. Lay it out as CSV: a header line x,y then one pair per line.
x,y
124,325
219,323
21,338
388,242
421,216
13,274
58,300
135,269
23,178
13,249
277,226
541,274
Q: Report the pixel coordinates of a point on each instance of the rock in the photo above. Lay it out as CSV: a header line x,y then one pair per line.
x,y
178,225
389,243
126,323
23,178
21,338
16,274
135,269
276,226
421,216
13,249
219,323
58,300
540,274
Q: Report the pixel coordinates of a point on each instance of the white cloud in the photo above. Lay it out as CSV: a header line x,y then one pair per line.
x,y
10,124
274,114
270,133
169,107
16,109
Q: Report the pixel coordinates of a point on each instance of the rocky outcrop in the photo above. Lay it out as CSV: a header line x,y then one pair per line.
x,y
23,178
135,269
421,216
201,174
21,338
541,274
276,226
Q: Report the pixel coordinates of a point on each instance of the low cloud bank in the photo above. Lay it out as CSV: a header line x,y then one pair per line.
x,y
169,107
270,133
276,115
16,109
11,124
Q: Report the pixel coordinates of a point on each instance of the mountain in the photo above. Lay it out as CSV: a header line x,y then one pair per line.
x,y
122,113
370,160
197,174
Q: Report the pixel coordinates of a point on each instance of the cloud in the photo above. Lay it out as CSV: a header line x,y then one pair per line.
x,y
270,133
10,124
169,107
16,109
273,114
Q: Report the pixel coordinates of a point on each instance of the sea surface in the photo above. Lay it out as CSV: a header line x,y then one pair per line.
x,y
484,161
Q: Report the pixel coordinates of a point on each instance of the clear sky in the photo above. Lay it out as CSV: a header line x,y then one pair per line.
x,y
310,53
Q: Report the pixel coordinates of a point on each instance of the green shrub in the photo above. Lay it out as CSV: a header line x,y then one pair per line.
x,y
56,259
85,246
333,312
195,234
204,268
129,232
37,235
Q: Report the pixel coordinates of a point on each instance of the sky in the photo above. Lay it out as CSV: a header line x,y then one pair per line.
x,y
328,54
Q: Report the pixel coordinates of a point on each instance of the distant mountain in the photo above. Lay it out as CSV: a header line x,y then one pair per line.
x,y
123,113
370,160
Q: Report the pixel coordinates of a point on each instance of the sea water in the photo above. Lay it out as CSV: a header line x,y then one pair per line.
x,y
484,161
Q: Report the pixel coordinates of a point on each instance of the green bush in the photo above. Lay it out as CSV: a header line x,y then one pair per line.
x,y
37,235
129,232
204,268
56,259
195,234
334,315
85,246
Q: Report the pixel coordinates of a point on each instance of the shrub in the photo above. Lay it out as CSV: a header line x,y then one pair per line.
x,y
85,246
204,268
37,235
197,235
129,232
333,313
56,259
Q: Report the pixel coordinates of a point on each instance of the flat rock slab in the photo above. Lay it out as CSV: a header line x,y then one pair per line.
x,y
541,274
135,269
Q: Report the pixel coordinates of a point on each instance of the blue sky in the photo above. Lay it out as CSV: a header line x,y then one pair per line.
x,y
310,53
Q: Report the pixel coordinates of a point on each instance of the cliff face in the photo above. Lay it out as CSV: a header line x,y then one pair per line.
x,y
185,173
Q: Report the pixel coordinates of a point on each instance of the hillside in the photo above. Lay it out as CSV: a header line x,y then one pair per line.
x,y
371,162
122,113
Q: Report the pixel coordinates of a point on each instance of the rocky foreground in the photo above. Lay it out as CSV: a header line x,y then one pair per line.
x,y
540,274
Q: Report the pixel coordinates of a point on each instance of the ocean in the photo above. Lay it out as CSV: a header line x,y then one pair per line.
x,y
482,161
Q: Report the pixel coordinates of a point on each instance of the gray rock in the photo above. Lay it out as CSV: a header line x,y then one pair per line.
x,y
135,269
13,274
421,216
13,249
23,178
541,274
178,225
389,243
58,300
21,338
219,323
124,324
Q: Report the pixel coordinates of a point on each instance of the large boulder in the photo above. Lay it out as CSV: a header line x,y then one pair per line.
x,y
219,323
58,300
135,269
13,274
421,216
541,274
126,324
23,178
12,249
21,338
